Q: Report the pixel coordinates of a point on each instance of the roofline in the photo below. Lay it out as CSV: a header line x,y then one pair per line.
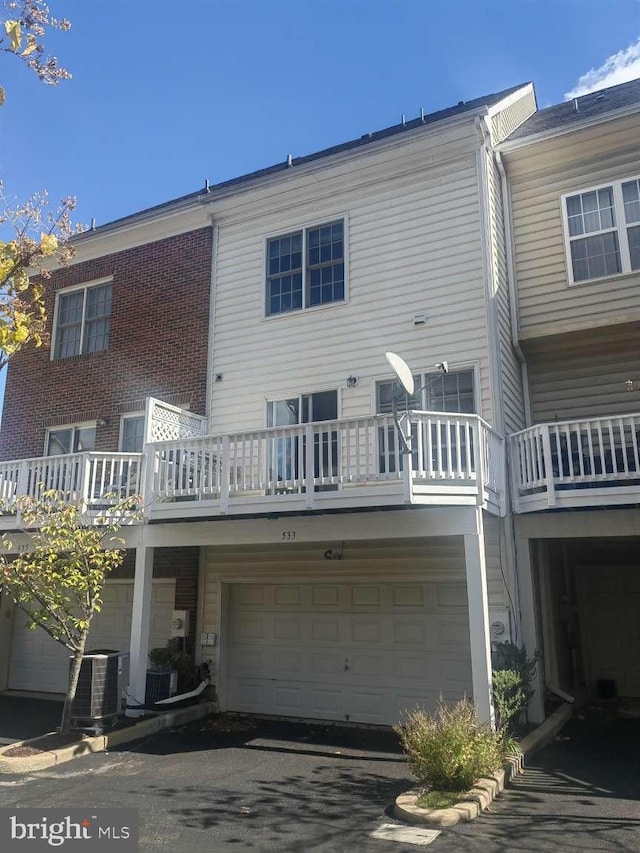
x,y
269,173
511,145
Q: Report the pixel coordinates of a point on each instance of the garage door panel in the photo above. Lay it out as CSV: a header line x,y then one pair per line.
x,y
361,652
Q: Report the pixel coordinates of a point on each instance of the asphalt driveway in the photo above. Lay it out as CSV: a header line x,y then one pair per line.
x,y
291,789
22,717
200,791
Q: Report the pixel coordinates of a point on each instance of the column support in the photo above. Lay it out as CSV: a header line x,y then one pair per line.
x,y
140,623
479,627
528,624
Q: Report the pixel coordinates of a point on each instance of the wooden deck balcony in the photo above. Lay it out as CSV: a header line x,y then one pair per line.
x,y
579,463
350,463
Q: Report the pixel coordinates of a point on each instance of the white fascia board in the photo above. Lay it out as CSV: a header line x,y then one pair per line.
x,y
511,99
508,146
140,229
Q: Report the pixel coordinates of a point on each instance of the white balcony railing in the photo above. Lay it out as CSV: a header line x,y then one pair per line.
x,y
576,463
83,476
347,463
331,463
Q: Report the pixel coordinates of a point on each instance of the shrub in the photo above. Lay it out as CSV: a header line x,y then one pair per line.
x,y
508,697
450,749
512,678
171,658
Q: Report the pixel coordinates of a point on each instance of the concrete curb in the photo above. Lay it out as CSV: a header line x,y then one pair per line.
x,y
89,745
485,790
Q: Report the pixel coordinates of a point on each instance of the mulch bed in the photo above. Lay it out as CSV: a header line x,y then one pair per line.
x,y
42,744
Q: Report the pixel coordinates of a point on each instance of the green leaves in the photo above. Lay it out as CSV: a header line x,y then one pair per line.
x,y
58,580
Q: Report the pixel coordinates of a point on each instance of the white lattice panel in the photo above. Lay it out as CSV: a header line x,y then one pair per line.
x,y
169,423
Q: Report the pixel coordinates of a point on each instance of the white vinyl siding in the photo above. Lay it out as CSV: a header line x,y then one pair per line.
x,y
584,374
539,177
414,244
510,371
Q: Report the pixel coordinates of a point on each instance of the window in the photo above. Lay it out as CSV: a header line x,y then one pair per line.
x,y
132,434
70,439
287,453
83,320
435,392
603,231
306,268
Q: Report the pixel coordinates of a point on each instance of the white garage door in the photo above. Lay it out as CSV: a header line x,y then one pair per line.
x,y
356,652
610,624
39,663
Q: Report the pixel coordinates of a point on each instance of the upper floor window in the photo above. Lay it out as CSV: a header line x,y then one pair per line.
x,y
83,320
132,433
70,439
602,227
306,268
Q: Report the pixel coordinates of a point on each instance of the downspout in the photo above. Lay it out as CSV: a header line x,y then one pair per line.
x,y
507,528
493,340
513,300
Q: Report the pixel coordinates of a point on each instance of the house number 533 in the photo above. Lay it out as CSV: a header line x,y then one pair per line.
x,y
287,535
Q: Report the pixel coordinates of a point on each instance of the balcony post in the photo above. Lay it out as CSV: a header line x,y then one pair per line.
x,y
22,483
85,480
225,474
548,465
479,627
140,623
147,477
309,464
479,447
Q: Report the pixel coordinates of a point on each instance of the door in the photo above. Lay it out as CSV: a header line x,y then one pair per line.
x,y
361,652
287,453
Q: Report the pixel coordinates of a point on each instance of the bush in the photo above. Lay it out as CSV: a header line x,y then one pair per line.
x,y
512,678
171,658
450,749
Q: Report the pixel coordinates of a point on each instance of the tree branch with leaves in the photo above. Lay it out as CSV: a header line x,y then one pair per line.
x,y
57,577
33,237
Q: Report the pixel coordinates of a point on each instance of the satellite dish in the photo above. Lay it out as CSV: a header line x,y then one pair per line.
x,y
402,371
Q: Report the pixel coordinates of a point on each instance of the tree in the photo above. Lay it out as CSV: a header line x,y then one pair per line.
x,y
31,238
25,28
37,239
58,577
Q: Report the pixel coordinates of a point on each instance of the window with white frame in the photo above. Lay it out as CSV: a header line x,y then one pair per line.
x,y
306,268
73,438
602,228
83,320
132,433
435,392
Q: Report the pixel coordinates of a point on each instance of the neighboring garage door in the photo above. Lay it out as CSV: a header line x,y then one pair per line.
x,y
356,652
609,599
39,663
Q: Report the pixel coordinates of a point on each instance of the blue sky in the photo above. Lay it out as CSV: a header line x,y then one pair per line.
x,y
165,95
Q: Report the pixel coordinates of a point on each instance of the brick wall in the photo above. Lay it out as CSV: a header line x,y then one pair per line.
x,y
157,347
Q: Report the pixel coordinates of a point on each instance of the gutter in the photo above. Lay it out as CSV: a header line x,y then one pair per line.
x,y
513,299
542,136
